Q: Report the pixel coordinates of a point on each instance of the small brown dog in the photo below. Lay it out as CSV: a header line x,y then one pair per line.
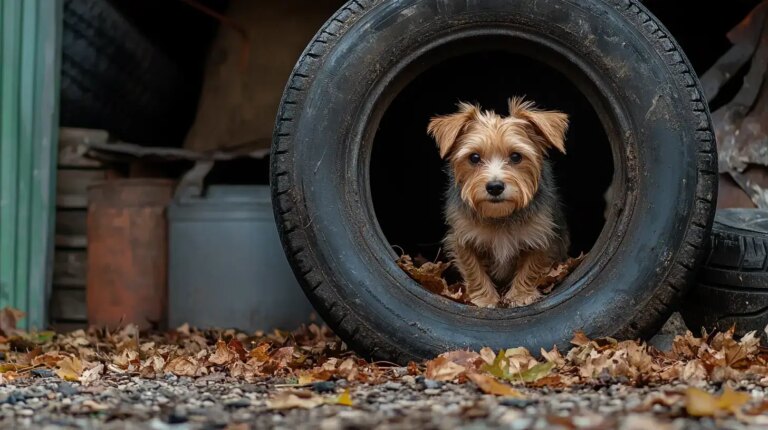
x,y
507,228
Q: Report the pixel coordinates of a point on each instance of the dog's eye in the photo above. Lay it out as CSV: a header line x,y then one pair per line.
x,y
474,158
516,157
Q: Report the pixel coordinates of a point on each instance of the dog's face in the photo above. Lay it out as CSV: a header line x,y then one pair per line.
x,y
496,160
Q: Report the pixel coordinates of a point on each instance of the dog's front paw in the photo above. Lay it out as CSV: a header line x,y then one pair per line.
x,y
488,299
515,298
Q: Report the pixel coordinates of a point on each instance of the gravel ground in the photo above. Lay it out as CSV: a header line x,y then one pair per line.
x,y
216,401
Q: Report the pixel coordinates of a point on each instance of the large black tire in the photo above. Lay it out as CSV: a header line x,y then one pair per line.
x,y
732,287
113,78
618,54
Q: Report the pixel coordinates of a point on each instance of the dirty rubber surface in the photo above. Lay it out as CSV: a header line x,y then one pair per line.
x,y
217,401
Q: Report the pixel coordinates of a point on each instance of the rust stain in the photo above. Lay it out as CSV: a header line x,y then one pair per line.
x,y
127,252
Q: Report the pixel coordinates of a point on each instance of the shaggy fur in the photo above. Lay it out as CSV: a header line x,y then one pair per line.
x,y
502,242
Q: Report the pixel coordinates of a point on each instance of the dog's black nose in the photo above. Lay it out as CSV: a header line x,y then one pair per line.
x,y
494,188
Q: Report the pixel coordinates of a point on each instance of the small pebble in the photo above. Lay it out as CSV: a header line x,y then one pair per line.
x,y
42,373
68,389
238,403
394,386
324,387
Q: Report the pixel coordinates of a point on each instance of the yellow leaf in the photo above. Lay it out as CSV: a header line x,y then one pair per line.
x,y
490,385
8,367
700,403
344,399
69,369
305,378
534,373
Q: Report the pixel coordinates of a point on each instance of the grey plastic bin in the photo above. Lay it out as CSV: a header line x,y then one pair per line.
x,y
227,267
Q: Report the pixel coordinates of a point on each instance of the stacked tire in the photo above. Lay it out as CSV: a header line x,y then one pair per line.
x,y
732,286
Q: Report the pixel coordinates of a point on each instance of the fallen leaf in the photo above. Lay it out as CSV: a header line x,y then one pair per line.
x,y
259,354
223,354
9,318
699,403
127,360
236,346
556,274
553,356
184,366
468,359
8,367
534,373
91,375
579,338
49,359
345,399
69,369
487,355
498,368
442,369
430,276
489,385
293,400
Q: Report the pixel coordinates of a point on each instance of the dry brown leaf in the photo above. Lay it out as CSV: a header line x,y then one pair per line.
x,y
294,399
553,356
239,369
442,369
579,338
127,360
9,319
260,354
556,274
49,359
92,375
430,276
700,403
694,371
686,347
185,366
468,359
236,347
519,360
487,355
489,385
222,355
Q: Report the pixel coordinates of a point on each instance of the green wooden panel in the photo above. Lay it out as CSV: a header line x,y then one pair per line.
x,y
30,33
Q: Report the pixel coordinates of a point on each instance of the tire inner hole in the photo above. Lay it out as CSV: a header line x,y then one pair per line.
x,y
407,177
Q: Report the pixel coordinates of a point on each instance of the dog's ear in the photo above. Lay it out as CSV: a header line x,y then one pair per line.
x,y
446,128
550,125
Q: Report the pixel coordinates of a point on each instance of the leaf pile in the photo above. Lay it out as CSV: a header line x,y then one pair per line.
x,y
431,276
312,356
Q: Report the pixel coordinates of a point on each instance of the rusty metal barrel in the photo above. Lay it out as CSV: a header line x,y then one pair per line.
x,y
128,252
